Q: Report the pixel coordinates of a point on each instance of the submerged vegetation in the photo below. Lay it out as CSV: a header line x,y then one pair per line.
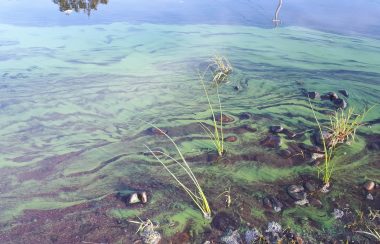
x,y
197,196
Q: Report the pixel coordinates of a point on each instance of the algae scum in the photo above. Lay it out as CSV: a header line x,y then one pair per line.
x,y
73,101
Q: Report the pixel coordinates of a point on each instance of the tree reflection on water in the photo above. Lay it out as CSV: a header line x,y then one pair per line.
x,y
78,5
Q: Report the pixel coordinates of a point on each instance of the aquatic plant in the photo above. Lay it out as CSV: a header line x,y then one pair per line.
x,y
227,195
216,136
197,196
343,125
220,68
328,165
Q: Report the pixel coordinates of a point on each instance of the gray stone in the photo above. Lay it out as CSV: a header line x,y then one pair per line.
x,y
276,128
309,187
344,93
313,95
369,185
296,192
340,103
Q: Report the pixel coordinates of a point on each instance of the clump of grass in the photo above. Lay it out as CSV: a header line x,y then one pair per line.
x,y
216,136
197,195
328,165
343,127
221,68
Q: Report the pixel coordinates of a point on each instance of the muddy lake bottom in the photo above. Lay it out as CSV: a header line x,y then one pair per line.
x,y
73,136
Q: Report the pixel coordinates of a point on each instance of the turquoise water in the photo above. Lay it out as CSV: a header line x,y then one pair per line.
x,y
74,90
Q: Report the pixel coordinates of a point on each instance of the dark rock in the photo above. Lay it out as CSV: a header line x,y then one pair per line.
x,y
296,192
327,136
285,153
310,187
276,204
311,148
290,134
276,128
344,93
134,197
212,157
341,103
245,115
267,202
224,118
249,128
143,197
374,146
313,95
369,185
315,202
157,132
230,139
330,96
271,141
224,222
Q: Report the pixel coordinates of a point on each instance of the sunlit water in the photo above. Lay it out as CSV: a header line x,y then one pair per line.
x,y
74,89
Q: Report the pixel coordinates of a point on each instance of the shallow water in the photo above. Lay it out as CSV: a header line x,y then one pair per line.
x,y
75,90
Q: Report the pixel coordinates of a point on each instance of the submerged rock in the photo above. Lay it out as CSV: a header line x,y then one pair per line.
x,y
224,118
330,96
225,222
327,136
157,132
276,204
341,103
344,93
272,141
369,185
296,192
245,115
276,128
313,95
311,148
230,139
285,153
316,203
310,187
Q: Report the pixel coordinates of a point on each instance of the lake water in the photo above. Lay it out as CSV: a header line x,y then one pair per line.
x,y
76,89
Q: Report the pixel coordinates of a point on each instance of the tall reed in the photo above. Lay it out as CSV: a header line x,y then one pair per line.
x,y
197,195
217,135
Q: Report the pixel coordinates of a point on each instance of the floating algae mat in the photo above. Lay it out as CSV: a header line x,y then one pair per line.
x,y
74,102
